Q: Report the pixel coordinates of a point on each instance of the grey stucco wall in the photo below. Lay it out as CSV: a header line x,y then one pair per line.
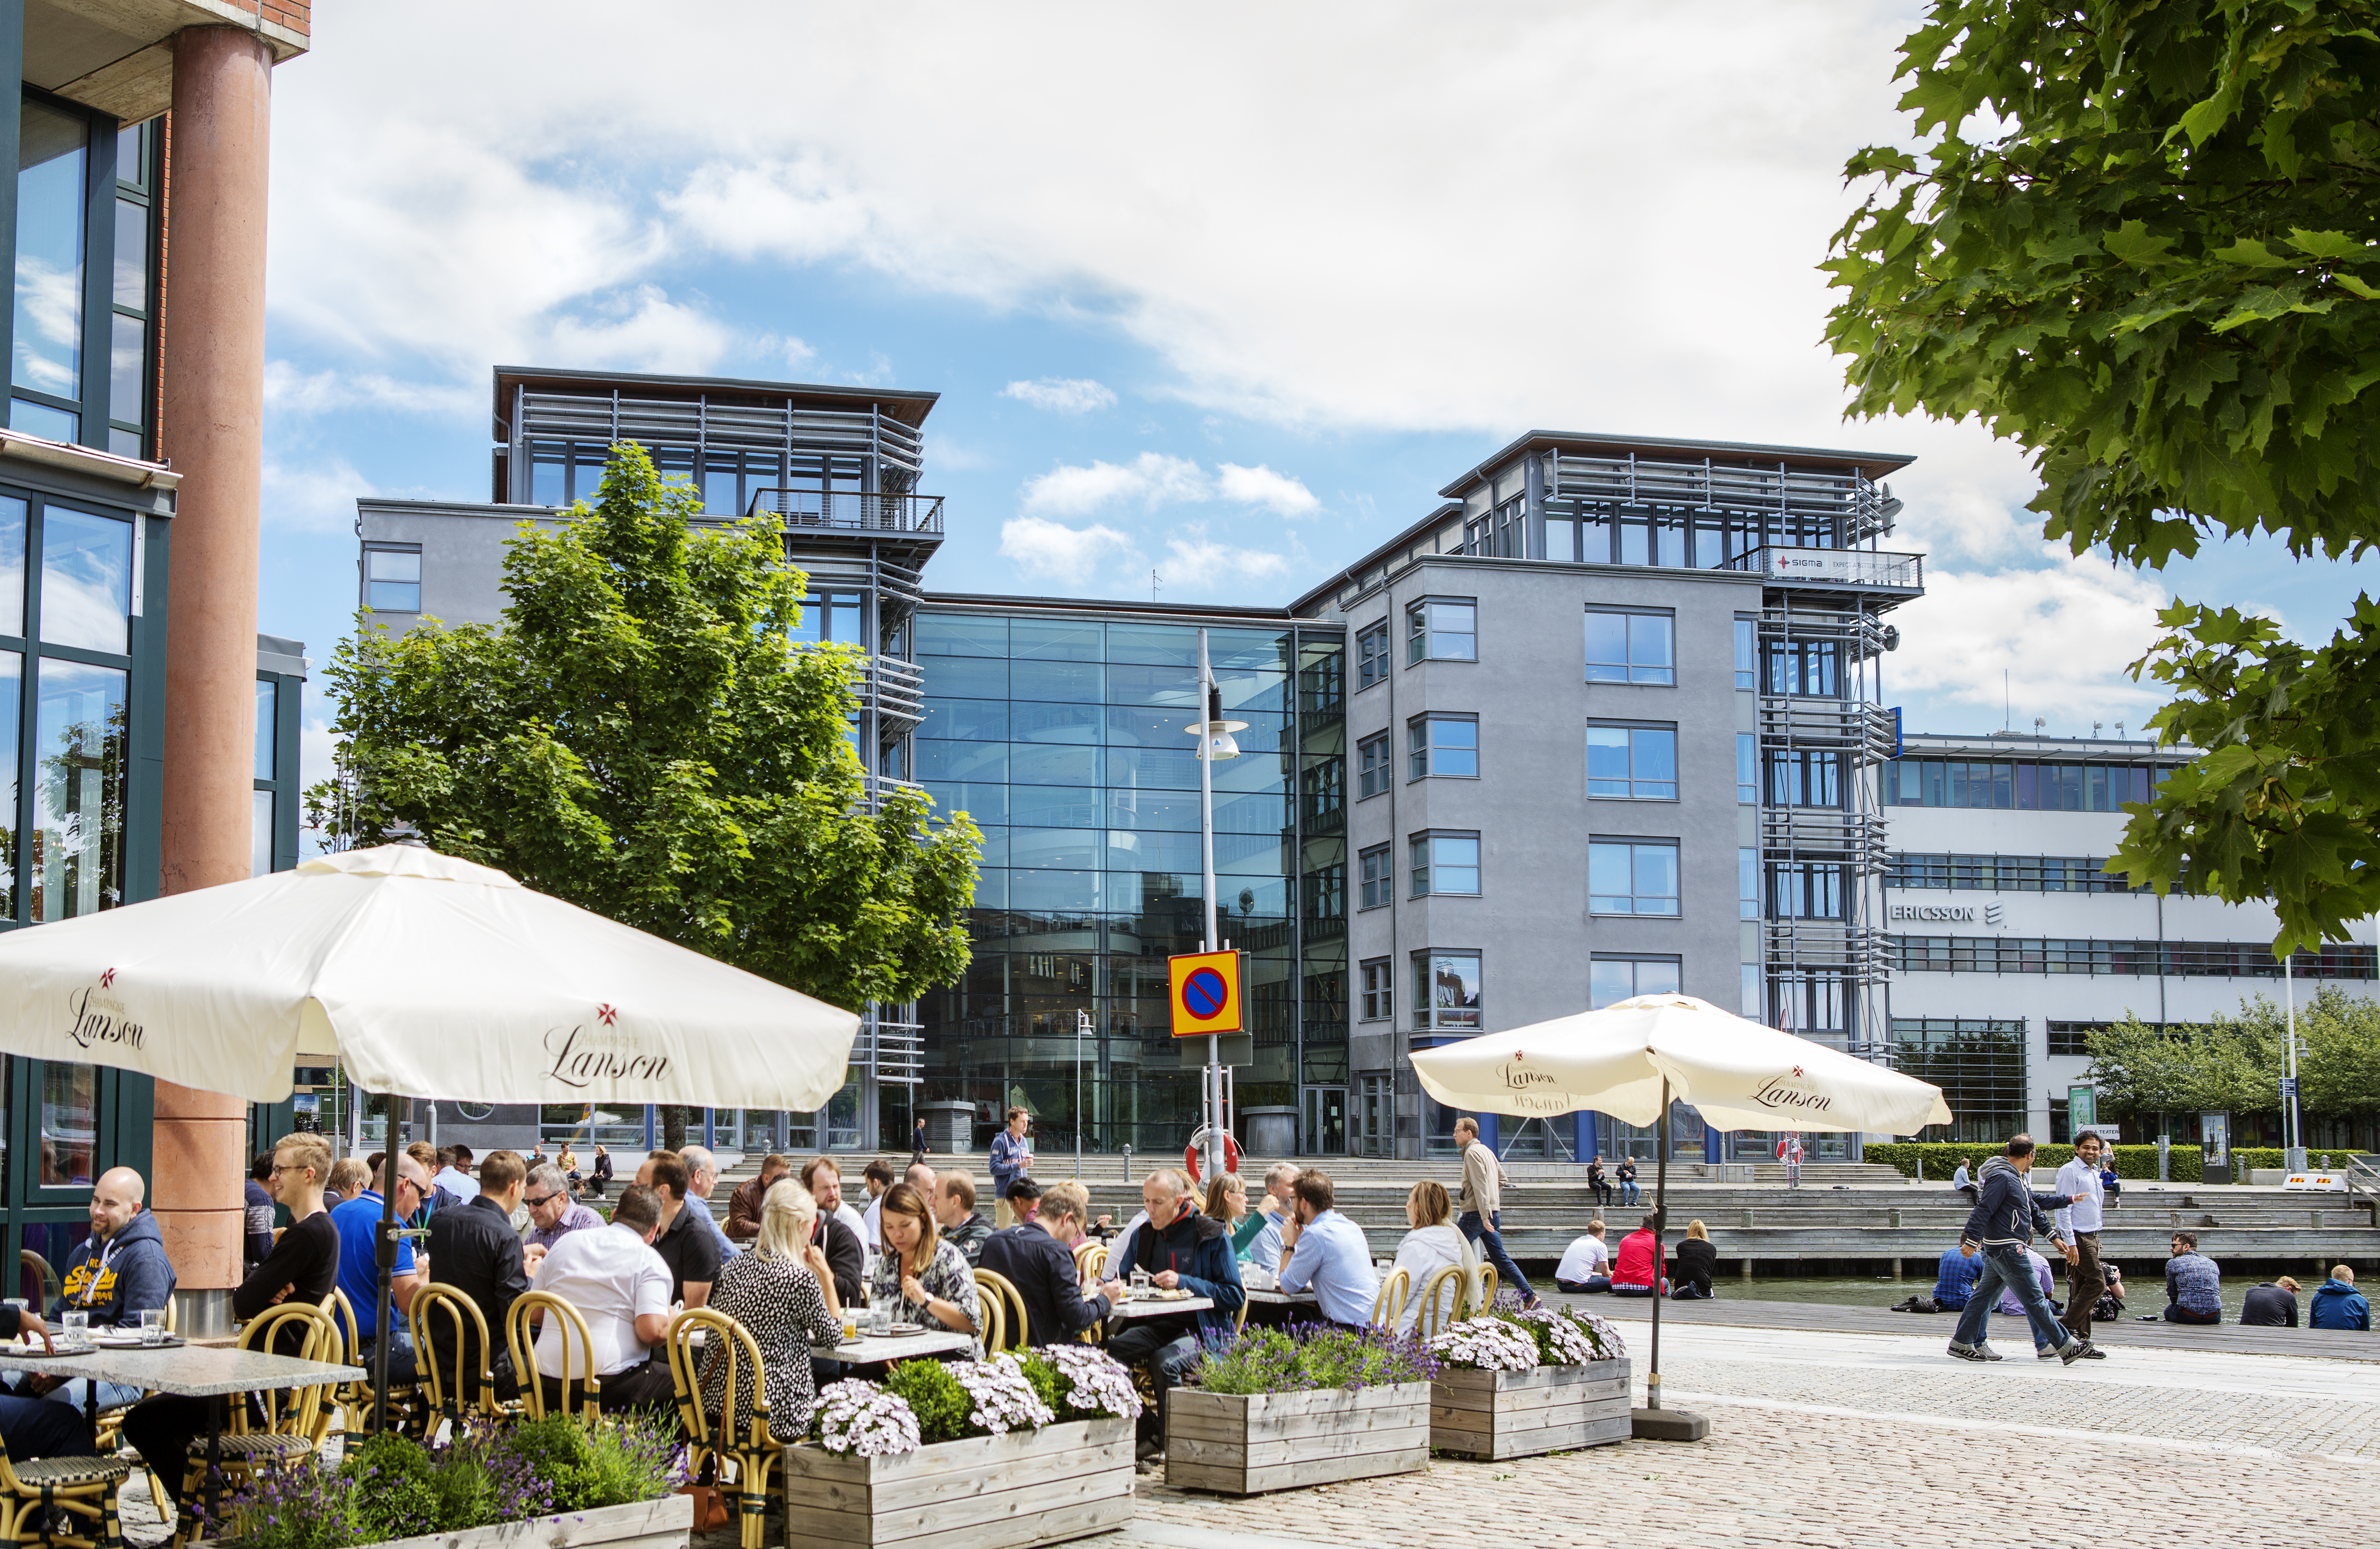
x,y
461,554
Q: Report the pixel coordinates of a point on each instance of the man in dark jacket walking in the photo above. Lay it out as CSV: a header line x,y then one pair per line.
x,y
2002,1225
1182,1250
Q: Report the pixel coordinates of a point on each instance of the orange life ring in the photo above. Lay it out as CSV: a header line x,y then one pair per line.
x,y
1196,1148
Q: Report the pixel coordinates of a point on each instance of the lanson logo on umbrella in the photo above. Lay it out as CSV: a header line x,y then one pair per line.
x,y
1775,1094
611,1016
99,1019
586,1058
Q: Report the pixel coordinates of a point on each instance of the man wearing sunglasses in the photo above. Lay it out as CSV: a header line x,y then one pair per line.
x,y
552,1213
358,1221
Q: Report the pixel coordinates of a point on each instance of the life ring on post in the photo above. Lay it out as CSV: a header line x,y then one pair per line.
x,y
1196,1148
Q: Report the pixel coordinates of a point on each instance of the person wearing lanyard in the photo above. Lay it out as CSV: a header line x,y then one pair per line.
x,y
116,1274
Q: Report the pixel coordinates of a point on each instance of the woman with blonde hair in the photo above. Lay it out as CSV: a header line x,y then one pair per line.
x,y
1227,1201
784,1292
928,1277
1431,1246
1695,1260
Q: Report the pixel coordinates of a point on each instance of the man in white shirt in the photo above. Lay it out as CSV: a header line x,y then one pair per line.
x,y
621,1287
1280,1179
455,1176
702,1177
1587,1263
2080,1222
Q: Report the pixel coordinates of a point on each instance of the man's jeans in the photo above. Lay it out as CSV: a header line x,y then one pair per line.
x,y
2084,1282
2005,1267
1169,1354
404,1365
1628,1192
1475,1230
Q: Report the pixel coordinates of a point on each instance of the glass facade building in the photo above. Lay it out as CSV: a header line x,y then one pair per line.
x,y
1060,731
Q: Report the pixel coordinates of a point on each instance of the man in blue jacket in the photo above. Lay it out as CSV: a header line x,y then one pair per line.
x,y
2003,1222
2337,1304
114,1274
1182,1250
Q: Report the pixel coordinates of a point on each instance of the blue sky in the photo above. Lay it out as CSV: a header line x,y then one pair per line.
x,y
1270,277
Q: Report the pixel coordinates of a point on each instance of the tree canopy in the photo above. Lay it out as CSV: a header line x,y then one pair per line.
x,y
642,738
2138,238
2235,1064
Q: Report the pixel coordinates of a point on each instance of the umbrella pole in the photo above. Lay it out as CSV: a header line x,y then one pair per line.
x,y
1660,1228
385,1254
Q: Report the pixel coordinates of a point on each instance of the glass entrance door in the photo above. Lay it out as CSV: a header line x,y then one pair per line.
x,y
1375,1116
1325,1131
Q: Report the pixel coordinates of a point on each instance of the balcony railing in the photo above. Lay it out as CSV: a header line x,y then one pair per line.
x,y
852,511
1830,567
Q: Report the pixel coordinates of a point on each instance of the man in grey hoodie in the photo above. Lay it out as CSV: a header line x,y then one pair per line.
x,y
2002,1225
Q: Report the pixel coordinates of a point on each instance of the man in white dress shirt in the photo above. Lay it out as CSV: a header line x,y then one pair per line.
x,y
621,1287
2079,1181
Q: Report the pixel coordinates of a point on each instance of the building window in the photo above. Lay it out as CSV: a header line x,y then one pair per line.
x,y
2018,786
1807,891
830,619
1631,877
1747,654
1747,884
1372,766
1445,864
1800,778
1751,992
2145,959
1747,767
2005,874
1377,876
1378,993
1816,1003
1978,1064
1805,667
392,577
1324,793
1632,761
2074,1038
1446,991
1631,647
1372,655
1444,746
1614,978
1326,893
1441,632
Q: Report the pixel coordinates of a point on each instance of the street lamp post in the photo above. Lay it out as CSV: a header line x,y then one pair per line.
x,y
1214,734
2294,1159
1082,1026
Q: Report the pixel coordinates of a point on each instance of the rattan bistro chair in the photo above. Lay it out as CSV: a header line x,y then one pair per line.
x,y
453,1395
990,1313
273,1428
1389,1305
751,1450
578,1354
1008,1329
354,1400
1444,1288
84,1487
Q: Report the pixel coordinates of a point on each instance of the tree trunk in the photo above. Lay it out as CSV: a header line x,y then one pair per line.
x,y
674,1118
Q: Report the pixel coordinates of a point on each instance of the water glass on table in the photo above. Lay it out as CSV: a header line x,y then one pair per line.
x,y
1139,1283
152,1325
77,1327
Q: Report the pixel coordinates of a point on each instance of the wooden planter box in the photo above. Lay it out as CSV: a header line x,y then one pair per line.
x,y
661,1524
1519,1414
1245,1444
1063,1480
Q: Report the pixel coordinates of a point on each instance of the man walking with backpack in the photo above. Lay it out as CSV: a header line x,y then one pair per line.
x,y
2002,1226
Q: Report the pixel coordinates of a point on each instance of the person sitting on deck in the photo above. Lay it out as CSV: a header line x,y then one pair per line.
x,y
1697,1259
2111,1306
1639,1263
2272,1304
2337,1304
1961,1183
1954,1277
621,1287
1585,1266
2194,1286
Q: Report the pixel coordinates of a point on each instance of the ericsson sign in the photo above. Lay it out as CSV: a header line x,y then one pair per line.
x,y
1949,914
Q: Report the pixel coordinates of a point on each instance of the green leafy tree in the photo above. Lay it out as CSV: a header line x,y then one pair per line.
x,y
2138,240
2338,1057
642,739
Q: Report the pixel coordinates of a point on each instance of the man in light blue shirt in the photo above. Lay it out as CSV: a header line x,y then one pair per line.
x,y
1323,1250
2080,1221
1264,1249
702,1177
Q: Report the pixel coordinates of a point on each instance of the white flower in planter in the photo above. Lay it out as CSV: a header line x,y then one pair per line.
x,y
855,1416
1005,1399
1094,1379
1487,1345
1578,1337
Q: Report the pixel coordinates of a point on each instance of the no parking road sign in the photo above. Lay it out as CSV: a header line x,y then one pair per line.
x,y
1206,992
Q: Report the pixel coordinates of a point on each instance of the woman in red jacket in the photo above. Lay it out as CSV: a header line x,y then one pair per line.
x,y
1639,1258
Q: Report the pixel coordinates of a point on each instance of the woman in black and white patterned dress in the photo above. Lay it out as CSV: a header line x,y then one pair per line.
x,y
931,1278
784,1292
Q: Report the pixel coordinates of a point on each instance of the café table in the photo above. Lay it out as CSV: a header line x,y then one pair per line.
x,y
878,1350
1271,1297
188,1371
1153,1307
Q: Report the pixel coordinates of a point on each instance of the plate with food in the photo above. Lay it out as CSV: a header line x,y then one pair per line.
x,y
900,1331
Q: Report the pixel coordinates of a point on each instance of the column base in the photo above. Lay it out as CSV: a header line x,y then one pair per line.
x,y
1667,1425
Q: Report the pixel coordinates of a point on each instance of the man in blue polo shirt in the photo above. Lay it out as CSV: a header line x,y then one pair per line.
x,y
1322,1249
357,1219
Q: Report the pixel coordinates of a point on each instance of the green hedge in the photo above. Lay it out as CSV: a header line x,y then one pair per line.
x,y
2132,1162
2275,1158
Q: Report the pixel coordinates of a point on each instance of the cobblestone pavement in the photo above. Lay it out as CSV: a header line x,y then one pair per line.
x,y
1832,1441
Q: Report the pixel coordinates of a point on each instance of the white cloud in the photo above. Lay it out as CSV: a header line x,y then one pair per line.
x,y
2064,634
289,390
317,499
1194,562
1062,395
1072,554
1150,479
1260,485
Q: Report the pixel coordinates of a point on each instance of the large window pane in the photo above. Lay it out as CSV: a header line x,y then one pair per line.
x,y
127,376
268,702
77,860
131,255
48,337
69,1124
12,669
260,834
12,566
1446,991
86,579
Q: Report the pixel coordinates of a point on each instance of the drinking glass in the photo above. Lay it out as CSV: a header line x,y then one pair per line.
x,y
851,1322
881,1310
1140,1282
77,1329
152,1325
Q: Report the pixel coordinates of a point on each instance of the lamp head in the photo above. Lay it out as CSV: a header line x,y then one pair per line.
x,y
1214,742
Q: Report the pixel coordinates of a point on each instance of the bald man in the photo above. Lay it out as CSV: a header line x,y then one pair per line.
x,y
114,1274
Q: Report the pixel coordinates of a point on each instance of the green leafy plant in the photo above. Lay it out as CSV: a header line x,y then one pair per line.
x,y
1309,1359
935,1397
1048,1385
630,1458
397,1493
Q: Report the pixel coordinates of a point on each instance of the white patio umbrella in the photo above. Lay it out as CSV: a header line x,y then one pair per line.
x,y
426,977
1630,1059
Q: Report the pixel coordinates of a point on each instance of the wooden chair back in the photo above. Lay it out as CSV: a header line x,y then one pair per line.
x,y
439,1306
28,1259
1443,1288
1090,1260
1389,1305
996,1290
723,1339
991,1310
1486,1287
289,1412
577,1353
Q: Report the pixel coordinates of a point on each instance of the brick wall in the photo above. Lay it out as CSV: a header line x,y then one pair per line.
x,y
296,14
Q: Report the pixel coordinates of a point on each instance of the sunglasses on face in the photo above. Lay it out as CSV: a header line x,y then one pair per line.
x,y
540,1200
